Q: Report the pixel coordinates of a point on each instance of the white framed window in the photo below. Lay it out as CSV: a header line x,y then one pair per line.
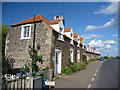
x,y
60,37
71,55
26,31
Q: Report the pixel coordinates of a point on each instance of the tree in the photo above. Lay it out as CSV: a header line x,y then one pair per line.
x,y
35,58
5,30
105,57
5,68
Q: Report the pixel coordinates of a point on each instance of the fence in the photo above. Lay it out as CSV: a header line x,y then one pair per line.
x,y
12,82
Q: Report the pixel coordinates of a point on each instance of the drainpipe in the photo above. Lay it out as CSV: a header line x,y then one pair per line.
x,y
34,33
34,37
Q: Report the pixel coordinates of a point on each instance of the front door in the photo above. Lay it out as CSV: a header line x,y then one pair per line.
x,y
58,58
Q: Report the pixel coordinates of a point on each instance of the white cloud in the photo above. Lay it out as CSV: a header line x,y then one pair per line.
x,y
95,43
115,35
111,23
109,42
89,36
102,44
90,27
104,47
107,46
111,9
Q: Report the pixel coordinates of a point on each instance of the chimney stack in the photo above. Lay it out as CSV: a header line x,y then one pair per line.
x,y
60,18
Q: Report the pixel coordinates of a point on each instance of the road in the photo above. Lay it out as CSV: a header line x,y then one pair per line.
x,y
99,74
107,77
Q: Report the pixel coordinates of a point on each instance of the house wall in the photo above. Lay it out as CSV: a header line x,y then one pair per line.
x,y
74,47
17,49
64,46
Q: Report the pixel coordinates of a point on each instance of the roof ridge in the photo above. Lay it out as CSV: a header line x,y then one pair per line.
x,y
38,18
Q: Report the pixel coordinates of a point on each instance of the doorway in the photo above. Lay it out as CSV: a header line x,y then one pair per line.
x,y
58,59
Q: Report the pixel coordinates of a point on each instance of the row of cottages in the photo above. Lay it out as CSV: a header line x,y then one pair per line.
x,y
58,44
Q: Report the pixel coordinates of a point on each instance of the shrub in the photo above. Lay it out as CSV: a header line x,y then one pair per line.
x,y
106,57
73,68
84,58
57,77
67,70
5,66
92,60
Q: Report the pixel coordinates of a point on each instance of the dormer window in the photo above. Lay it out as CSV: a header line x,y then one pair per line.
x,y
60,35
61,29
26,31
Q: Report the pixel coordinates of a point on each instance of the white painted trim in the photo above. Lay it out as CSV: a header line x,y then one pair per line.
x,y
72,56
78,55
59,65
22,32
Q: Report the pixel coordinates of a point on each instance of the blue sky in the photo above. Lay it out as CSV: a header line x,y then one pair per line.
x,y
95,21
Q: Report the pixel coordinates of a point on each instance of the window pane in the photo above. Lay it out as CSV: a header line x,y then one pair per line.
x,y
61,29
26,31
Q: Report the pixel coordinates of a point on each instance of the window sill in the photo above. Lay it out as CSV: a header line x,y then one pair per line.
x,y
24,38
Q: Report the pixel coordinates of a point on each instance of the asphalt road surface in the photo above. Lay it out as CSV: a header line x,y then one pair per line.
x,y
79,79
107,76
99,74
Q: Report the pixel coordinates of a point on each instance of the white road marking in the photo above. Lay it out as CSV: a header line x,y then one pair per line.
x,y
93,79
89,86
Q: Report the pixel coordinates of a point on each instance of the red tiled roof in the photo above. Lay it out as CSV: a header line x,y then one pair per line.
x,y
67,29
38,18
75,34
81,38
54,22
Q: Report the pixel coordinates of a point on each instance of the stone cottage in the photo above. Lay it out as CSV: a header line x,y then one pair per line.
x,y
58,44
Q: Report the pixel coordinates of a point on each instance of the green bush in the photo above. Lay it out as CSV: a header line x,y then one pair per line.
x,y
92,60
106,57
84,58
67,70
73,68
57,77
5,66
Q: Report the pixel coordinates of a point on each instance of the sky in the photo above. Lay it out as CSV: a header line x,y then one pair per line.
x,y
95,21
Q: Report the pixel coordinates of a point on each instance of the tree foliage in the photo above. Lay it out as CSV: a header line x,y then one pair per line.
x,y
5,30
35,57
5,63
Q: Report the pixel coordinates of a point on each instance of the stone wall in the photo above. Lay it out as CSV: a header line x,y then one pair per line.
x,y
91,55
65,47
17,48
